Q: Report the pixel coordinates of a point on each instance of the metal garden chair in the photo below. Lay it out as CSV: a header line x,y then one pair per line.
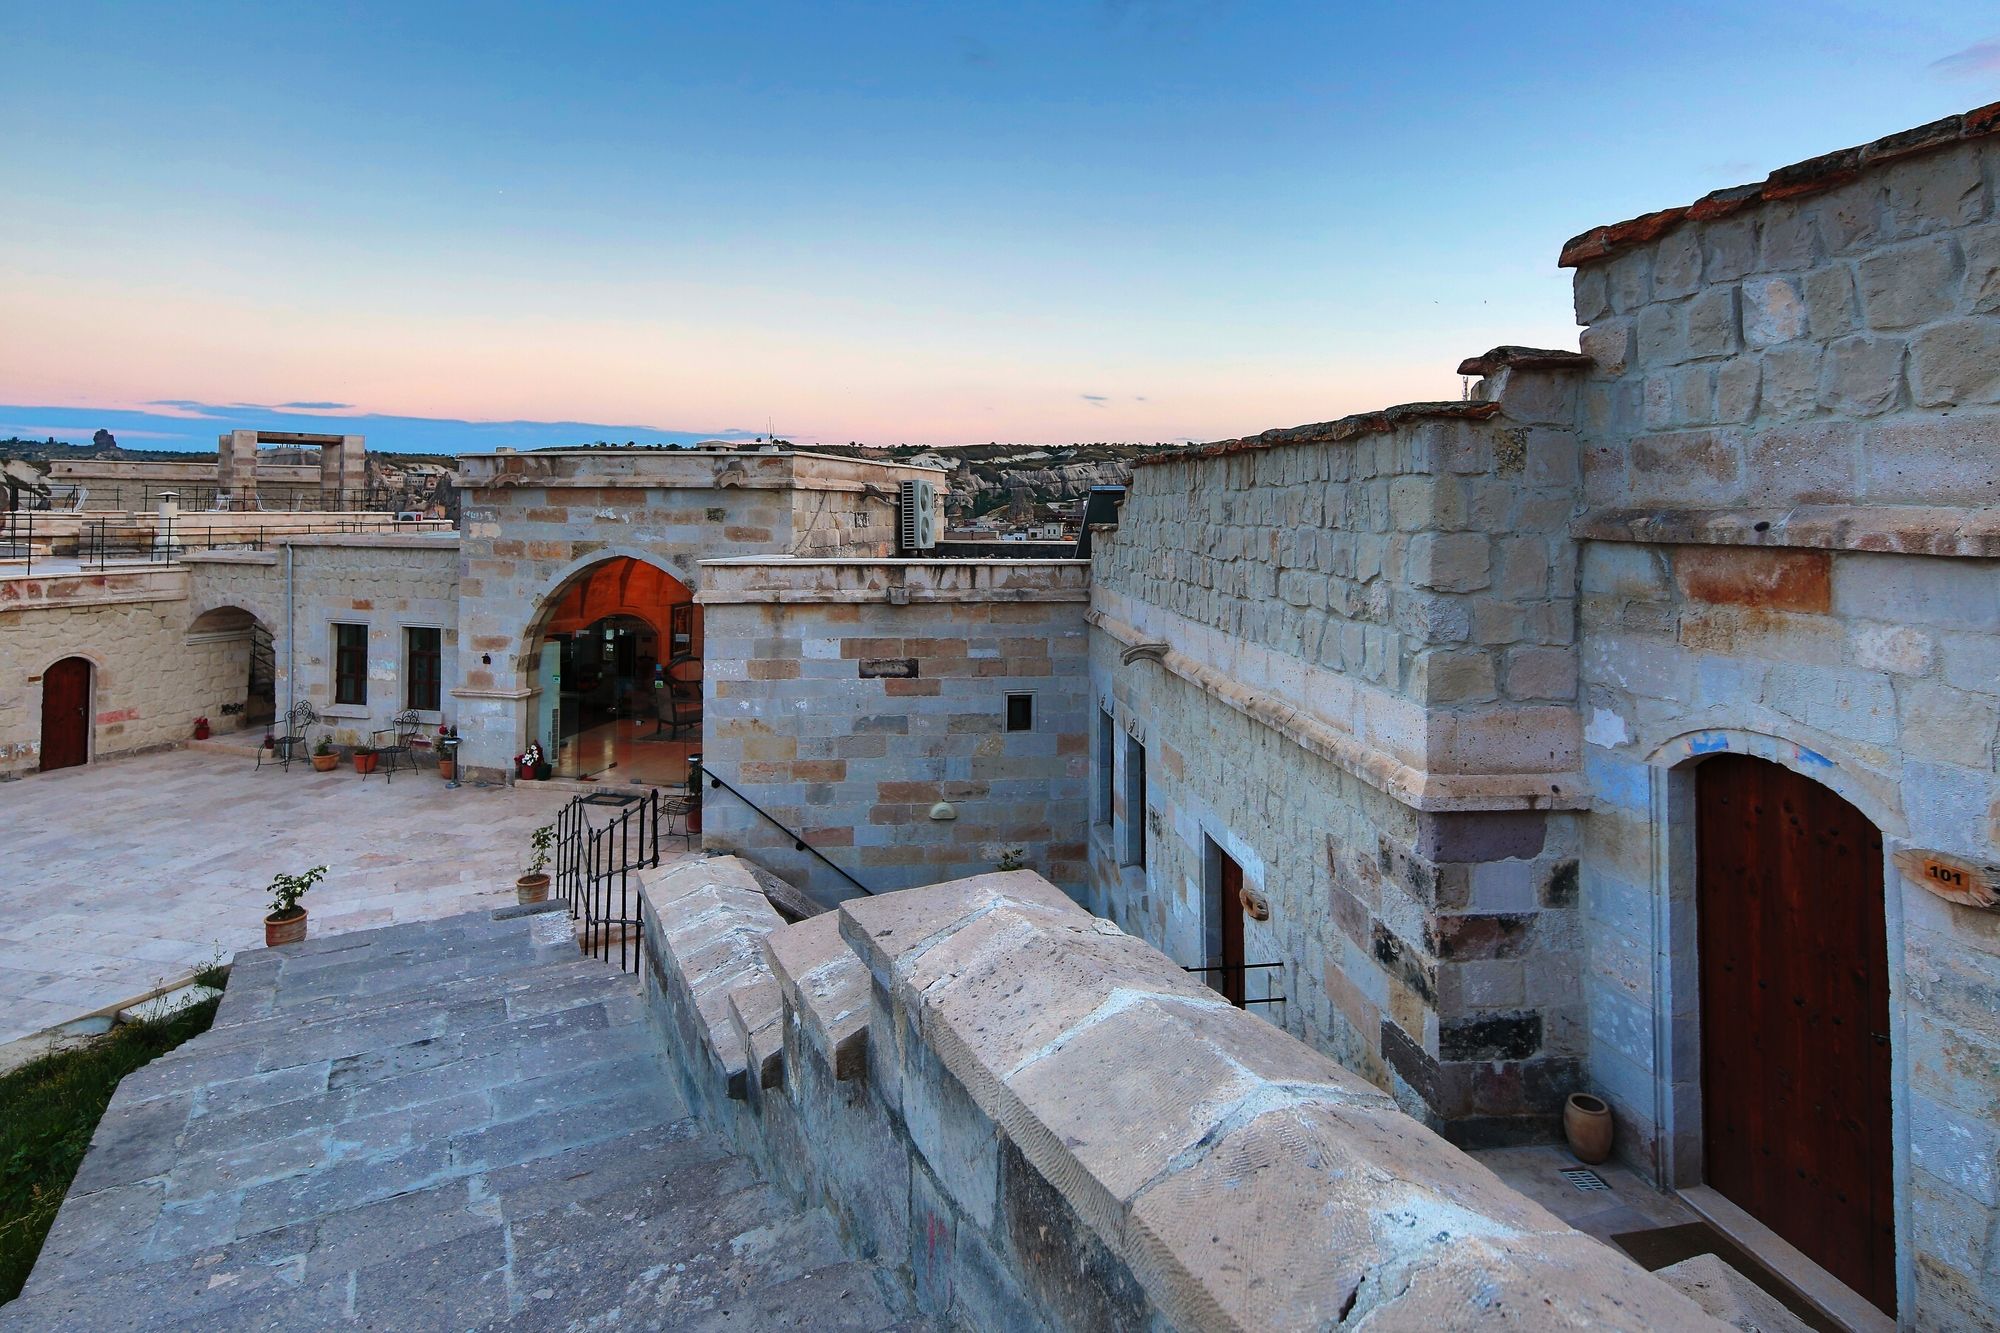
x,y
294,741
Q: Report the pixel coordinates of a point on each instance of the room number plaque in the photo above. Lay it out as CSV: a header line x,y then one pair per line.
x,y
1952,878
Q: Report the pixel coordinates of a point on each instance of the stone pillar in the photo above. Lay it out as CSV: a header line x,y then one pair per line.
x,y
343,472
236,468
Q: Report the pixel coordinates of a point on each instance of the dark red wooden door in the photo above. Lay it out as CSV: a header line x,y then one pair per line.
x,y
1229,911
66,714
1795,1016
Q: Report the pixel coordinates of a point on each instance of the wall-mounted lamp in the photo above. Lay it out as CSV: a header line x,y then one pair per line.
x,y
943,810
486,659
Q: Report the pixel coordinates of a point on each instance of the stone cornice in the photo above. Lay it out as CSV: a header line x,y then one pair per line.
x,y
1892,529
1402,776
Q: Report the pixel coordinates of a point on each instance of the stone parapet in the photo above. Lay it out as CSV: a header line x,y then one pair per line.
x,y
777,579
1056,1127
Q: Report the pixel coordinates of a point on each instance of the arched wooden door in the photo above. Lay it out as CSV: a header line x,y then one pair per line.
x,y
1795,1016
66,714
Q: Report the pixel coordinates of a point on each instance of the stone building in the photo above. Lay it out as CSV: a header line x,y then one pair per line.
x,y
1629,726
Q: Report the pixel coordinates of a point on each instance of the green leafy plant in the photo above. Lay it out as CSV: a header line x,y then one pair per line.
x,y
542,839
325,746
286,890
1014,858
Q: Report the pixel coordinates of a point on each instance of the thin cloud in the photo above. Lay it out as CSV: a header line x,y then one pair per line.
x,y
1975,60
316,407
1095,399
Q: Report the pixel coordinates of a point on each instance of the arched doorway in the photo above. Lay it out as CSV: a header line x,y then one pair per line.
x,y
617,658
1795,1038
244,657
66,690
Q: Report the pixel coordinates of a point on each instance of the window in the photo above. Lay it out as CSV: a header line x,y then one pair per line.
x,y
1135,802
1106,736
423,668
350,664
1020,712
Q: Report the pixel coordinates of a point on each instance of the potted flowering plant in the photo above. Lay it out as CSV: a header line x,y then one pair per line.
x,y
447,751
528,763
324,759
286,922
201,728
533,887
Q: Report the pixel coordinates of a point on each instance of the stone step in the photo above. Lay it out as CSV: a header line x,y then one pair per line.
x,y
166,1005
495,1144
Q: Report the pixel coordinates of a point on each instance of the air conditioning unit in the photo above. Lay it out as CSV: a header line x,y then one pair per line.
x,y
917,515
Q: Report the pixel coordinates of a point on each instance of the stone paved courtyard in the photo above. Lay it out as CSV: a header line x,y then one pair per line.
x,y
124,875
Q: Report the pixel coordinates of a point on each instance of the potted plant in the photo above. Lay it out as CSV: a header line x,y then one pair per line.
x,y
323,756
201,728
447,752
533,887
364,759
528,764
286,923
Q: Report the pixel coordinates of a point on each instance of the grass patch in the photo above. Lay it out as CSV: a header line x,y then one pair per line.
x,y
49,1110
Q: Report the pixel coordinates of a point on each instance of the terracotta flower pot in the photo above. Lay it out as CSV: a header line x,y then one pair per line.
x,y
364,761
1587,1126
532,888
284,930
325,763
201,730
447,769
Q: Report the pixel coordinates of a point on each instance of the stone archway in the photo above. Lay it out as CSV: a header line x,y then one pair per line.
x,y
613,658
241,650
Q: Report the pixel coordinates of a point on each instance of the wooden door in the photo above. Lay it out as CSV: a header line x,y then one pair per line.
x,y
66,714
1229,914
1795,1016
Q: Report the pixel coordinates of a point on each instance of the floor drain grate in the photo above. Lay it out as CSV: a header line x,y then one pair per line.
x,y
609,798
1583,1179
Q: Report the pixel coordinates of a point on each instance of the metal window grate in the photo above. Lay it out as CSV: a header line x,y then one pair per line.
x,y
1583,1179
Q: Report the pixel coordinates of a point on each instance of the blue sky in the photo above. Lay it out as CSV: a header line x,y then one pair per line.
x,y
887,222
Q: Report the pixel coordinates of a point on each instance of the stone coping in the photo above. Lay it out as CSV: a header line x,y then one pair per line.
x,y
1246,1180
685,469
56,588
1329,432
429,539
1891,529
1510,357
1815,175
1234,1177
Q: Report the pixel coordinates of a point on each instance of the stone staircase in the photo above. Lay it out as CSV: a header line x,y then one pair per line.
x,y
454,1124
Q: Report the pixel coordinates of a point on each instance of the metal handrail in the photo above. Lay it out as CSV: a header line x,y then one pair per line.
x,y
1245,968
593,863
799,844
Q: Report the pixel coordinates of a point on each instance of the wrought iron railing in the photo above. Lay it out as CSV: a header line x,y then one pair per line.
x,y
799,844
594,872
1240,973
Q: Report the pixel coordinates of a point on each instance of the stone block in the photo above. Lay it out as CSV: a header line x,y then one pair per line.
x,y
1956,362
1630,281
1696,467
1711,323
1913,590
1909,285
1609,342
1952,459
1677,264
1591,295
1981,292
1948,725
1772,579
1831,307
1541,673
1737,385
1729,249
1809,463
1790,380
1774,311
1662,335
828,986
1863,375
1896,648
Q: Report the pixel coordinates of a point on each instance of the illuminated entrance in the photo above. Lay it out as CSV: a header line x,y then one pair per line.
x,y
618,661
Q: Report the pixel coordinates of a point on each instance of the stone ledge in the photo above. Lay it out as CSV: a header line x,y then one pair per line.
x,y
712,919
1245,1180
1416,787
1888,529
827,986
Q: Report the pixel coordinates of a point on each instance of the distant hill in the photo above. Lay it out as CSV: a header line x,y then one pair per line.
x,y
984,477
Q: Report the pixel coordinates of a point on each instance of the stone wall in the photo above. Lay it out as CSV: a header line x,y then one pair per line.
x,y
150,680
1044,1123
848,698
534,521
1792,552
1346,654
386,582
